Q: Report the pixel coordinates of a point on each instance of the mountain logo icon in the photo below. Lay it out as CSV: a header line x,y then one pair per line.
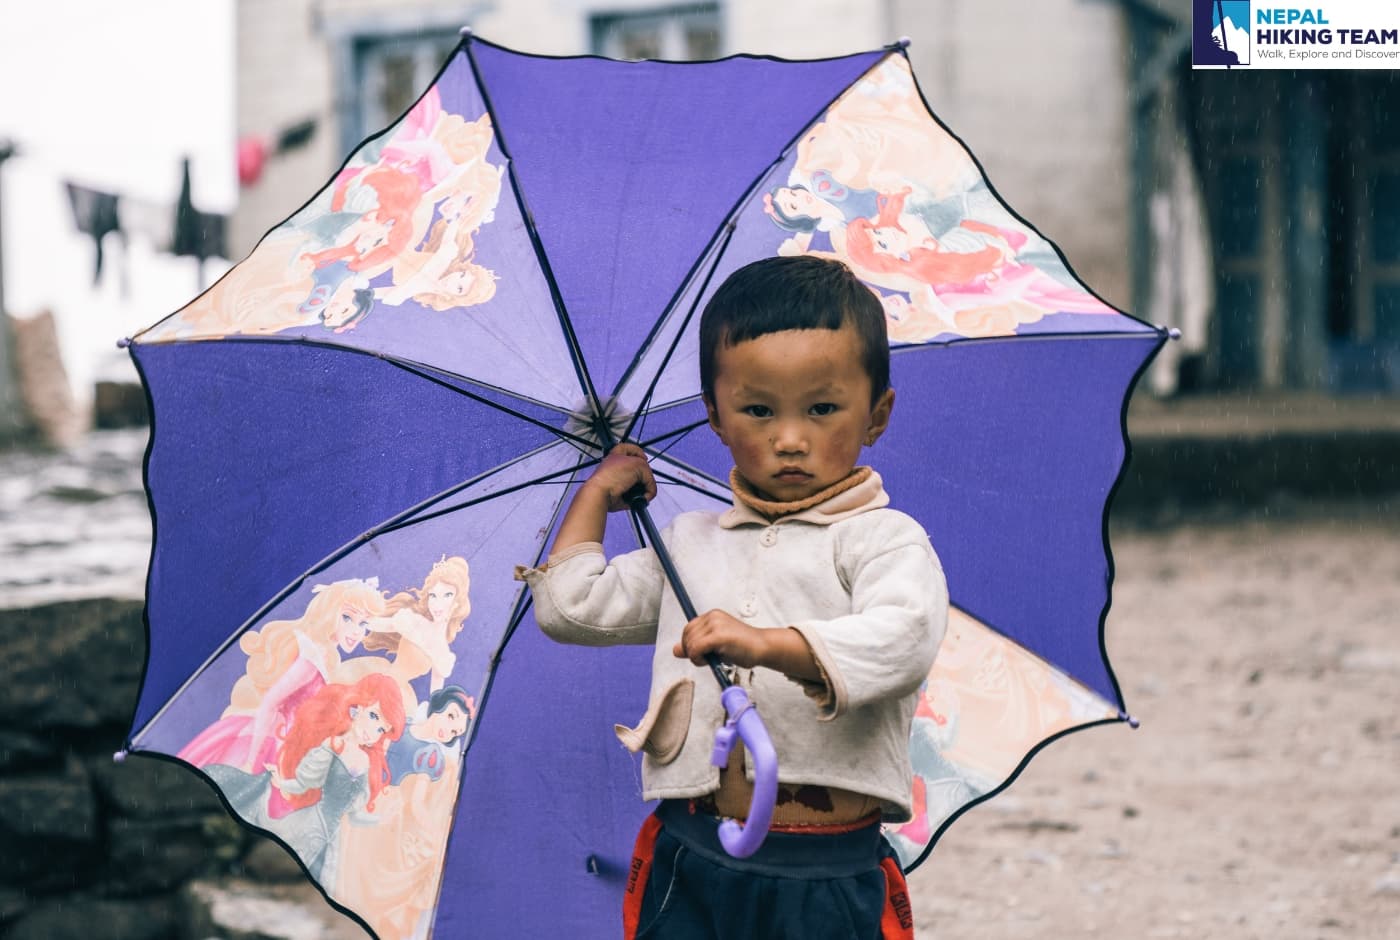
x,y
1220,32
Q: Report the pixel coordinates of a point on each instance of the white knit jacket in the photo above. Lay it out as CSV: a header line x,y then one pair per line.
x,y
859,581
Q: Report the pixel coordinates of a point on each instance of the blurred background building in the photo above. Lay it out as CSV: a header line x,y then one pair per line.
x,y
1257,211
146,147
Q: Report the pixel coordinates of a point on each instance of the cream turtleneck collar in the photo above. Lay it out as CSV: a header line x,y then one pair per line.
x,y
860,491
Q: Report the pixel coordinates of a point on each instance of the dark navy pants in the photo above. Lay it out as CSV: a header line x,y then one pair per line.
x,y
798,886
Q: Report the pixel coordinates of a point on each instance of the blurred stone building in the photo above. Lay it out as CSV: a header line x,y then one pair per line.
x,y
1254,210
1036,90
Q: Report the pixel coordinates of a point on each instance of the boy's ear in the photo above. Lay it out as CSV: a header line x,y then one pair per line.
x,y
879,417
713,416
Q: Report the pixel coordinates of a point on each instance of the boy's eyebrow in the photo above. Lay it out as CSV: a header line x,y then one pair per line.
x,y
827,387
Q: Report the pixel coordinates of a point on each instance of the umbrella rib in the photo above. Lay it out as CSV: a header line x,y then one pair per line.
x,y
689,468
715,249
532,230
414,369
718,254
933,115
523,602
1157,333
678,481
675,436
731,217
392,524
401,521
428,373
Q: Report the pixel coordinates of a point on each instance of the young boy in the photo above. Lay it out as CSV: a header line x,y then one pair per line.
x,y
830,605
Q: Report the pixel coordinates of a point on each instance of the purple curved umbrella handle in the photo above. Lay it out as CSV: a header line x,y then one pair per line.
x,y
744,723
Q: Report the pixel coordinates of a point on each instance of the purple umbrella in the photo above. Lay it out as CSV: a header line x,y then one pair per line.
x,y
365,425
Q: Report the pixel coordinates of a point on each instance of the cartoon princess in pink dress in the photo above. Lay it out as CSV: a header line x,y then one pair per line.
x,y
288,662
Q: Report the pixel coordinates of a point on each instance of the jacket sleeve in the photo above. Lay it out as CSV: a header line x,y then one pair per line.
x,y
899,611
581,597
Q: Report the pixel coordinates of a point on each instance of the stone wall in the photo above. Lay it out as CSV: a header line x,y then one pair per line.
x,y
136,850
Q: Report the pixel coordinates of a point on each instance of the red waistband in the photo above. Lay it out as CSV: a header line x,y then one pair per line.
x,y
823,829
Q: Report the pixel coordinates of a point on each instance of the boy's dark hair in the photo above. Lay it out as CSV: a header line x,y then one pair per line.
x,y
794,292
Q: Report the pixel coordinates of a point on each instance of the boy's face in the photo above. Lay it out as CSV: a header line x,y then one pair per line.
x,y
794,409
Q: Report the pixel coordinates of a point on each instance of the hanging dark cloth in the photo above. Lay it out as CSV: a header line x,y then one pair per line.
x,y
197,234
296,136
95,214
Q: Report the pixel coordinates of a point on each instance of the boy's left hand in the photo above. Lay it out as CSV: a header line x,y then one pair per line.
x,y
745,646
730,639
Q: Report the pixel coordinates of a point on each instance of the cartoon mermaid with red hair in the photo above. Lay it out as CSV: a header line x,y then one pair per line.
x,y
331,767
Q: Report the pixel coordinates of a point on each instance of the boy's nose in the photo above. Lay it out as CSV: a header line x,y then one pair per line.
x,y
789,440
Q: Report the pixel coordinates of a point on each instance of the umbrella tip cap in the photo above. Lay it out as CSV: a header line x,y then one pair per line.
x,y
902,42
1173,333
124,342
1132,722
120,756
465,31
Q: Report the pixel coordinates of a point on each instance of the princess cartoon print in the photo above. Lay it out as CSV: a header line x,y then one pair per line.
x,y
419,625
288,662
331,767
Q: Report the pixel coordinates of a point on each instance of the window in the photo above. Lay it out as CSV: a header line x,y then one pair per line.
x,y
391,71
677,33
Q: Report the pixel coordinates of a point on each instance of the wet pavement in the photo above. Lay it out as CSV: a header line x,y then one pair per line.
x,y
74,524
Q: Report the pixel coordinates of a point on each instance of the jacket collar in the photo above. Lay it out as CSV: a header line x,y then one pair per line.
x,y
860,492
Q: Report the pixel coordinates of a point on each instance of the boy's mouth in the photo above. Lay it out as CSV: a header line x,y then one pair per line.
x,y
792,475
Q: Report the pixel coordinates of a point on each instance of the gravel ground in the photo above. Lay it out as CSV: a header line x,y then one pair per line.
x,y
1259,798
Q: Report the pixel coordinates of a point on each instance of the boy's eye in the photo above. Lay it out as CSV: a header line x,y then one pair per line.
x,y
823,408
758,411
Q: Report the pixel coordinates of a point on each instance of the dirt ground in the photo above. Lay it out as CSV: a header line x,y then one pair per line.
x,y
1261,795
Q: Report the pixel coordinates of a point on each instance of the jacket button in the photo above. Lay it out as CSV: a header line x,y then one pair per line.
x,y
749,608
769,537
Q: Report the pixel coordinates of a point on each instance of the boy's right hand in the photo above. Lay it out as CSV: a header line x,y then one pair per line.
x,y
623,470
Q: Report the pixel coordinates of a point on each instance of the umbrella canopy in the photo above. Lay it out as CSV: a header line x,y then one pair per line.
x,y
364,426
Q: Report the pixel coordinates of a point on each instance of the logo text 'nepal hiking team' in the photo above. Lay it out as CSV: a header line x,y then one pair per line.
x,y
1226,33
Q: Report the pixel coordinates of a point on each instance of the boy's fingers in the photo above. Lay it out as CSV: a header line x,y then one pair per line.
x,y
628,450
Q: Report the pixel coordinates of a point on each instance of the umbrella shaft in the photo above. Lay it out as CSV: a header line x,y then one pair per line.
x,y
638,505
